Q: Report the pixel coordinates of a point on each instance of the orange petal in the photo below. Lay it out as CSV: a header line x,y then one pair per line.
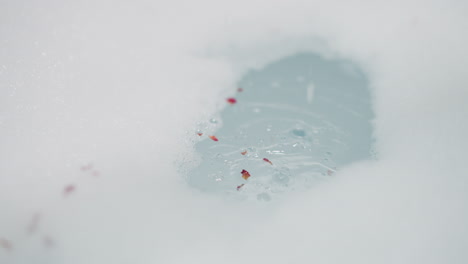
x,y
214,138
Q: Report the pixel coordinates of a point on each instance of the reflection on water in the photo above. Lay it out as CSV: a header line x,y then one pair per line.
x,y
305,115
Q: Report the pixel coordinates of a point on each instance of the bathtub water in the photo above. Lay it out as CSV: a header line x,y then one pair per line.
x,y
116,86
307,115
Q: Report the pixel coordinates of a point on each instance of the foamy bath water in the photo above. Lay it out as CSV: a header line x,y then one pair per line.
x,y
101,103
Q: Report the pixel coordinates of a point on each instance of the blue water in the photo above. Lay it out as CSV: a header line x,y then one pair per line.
x,y
309,116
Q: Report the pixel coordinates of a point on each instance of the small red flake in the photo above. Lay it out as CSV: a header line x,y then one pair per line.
x,y
240,90
6,244
245,174
244,152
68,189
200,134
231,100
240,186
213,138
267,160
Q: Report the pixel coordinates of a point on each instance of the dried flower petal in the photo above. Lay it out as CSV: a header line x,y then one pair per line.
x,y
231,100
200,134
244,152
267,160
68,189
213,138
87,167
6,244
245,174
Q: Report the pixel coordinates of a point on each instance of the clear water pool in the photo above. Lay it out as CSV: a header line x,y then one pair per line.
x,y
306,115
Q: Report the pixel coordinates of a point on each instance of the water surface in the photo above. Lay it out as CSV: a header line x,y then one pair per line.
x,y
306,115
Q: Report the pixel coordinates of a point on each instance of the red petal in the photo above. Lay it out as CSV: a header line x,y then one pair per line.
x,y
214,138
231,100
245,174
267,160
200,134
68,189
244,152
240,186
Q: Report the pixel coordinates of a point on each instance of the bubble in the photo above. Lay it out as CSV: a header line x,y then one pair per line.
x,y
282,175
213,121
275,152
216,176
299,132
